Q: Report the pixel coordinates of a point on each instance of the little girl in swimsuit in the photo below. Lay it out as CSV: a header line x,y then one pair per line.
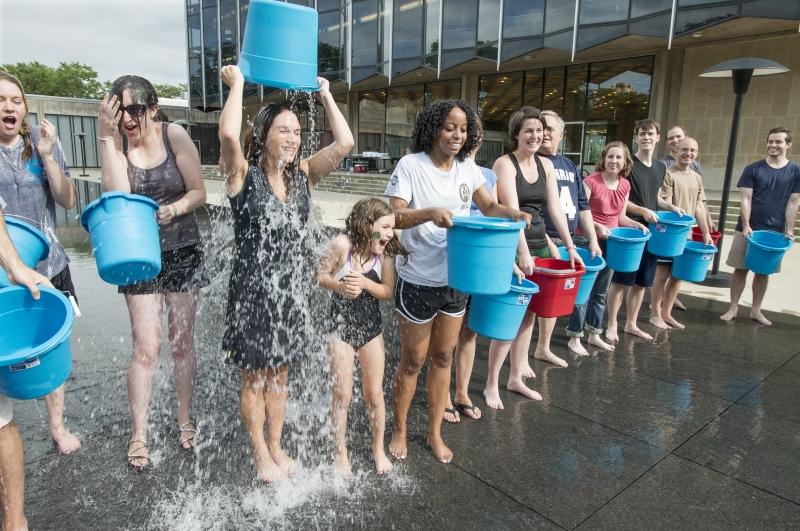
x,y
358,267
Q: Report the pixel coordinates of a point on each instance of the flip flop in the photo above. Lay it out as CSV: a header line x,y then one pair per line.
x,y
132,457
463,408
452,412
190,438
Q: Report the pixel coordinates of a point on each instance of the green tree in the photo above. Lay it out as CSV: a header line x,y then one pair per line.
x,y
75,80
165,90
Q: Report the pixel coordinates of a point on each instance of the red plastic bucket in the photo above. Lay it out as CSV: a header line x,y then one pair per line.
x,y
697,236
558,286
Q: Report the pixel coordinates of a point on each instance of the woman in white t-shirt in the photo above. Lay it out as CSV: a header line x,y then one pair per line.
x,y
427,189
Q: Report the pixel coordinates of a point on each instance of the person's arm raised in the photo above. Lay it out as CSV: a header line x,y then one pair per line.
x,y
232,162
328,158
113,162
61,187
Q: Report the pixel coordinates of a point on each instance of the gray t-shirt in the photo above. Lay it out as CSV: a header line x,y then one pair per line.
x,y
669,160
26,193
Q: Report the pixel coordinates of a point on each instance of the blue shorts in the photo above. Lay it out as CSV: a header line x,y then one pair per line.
x,y
643,277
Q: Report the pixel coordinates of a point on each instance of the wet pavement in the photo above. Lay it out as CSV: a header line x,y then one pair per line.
x,y
700,428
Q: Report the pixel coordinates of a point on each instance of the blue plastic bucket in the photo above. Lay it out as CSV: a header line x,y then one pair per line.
x,y
480,254
693,263
499,316
280,45
592,265
35,355
765,250
31,245
624,249
125,237
669,233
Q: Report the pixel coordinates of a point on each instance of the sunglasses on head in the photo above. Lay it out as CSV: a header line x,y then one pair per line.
x,y
136,110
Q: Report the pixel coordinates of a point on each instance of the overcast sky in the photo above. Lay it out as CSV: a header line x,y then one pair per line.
x,y
115,37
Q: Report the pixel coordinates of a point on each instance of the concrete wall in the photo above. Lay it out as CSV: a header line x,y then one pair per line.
x,y
705,105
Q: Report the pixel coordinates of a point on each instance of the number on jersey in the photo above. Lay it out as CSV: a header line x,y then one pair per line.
x,y
566,203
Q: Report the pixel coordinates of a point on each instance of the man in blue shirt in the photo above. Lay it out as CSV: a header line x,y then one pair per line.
x,y
770,197
576,207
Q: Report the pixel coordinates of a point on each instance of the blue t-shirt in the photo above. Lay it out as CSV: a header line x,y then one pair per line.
x,y
771,190
571,194
491,179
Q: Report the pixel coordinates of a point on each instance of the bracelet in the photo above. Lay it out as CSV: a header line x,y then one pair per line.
x,y
570,247
174,210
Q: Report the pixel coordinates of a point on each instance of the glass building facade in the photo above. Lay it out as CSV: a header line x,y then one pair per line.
x,y
592,61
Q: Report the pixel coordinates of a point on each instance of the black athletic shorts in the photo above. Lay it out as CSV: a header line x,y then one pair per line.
x,y
180,272
644,276
63,283
420,304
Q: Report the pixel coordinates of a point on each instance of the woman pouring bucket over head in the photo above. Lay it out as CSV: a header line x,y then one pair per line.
x,y
141,154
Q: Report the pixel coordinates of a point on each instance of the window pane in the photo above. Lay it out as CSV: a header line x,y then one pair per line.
x,y
498,96
598,11
575,95
407,37
523,18
532,90
228,33
432,32
488,21
459,24
560,15
325,5
640,8
365,33
403,104
330,48
442,90
554,89
371,120
694,19
211,49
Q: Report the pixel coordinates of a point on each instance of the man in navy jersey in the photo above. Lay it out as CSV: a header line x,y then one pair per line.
x,y
770,197
576,207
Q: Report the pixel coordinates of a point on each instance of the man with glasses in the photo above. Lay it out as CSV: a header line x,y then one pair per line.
x,y
576,207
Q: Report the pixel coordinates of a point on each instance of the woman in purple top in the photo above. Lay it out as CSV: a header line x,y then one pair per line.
x,y
143,155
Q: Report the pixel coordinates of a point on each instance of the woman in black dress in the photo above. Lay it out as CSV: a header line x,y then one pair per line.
x,y
268,314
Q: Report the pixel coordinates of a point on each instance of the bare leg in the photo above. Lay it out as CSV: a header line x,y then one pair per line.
x,y
616,293
542,352
145,315
251,404
372,358
760,283
275,396
737,287
181,312
12,478
66,441
633,304
465,359
657,296
670,296
444,337
342,356
520,368
414,341
498,350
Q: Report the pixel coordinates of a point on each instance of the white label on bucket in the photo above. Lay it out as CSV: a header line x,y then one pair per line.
x,y
706,257
25,365
522,299
661,228
569,283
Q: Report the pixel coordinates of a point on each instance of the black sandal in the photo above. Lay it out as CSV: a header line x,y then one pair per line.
x,y
463,408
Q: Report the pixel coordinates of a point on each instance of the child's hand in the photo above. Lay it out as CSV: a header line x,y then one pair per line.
x,y
353,284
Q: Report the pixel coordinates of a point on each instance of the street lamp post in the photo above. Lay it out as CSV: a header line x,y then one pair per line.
x,y
81,135
741,70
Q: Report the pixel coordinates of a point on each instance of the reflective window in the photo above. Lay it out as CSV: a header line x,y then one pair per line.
x,y
195,54
459,24
67,127
523,18
688,20
442,90
533,88
229,36
211,51
560,15
598,11
488,28
407,37
498,96
588,37
326,5
330,42
640,8
365,33
371,120
575,92
432,32
403,104
554,89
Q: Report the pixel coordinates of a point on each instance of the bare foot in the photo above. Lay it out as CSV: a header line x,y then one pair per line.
x,y
679,305
285,462
673,323
524,390
549,357
527,372
492,396
341,461
575,346
611,335
730,315
382,464
595,341
759,318
451,415
65,441
398,446
638,332
440,449
266,469
659,323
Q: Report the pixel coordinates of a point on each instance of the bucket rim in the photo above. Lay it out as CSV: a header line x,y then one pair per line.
x,y
527,286
108,195
786,247
578,271
633,239
55,339
10,219
685,220
584,254
699,248
487,223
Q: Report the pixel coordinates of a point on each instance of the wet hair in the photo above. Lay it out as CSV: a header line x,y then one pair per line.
x,y
601,162
647,124
358,226
430,123
142,93
776,130
518,118
255,141
25,127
